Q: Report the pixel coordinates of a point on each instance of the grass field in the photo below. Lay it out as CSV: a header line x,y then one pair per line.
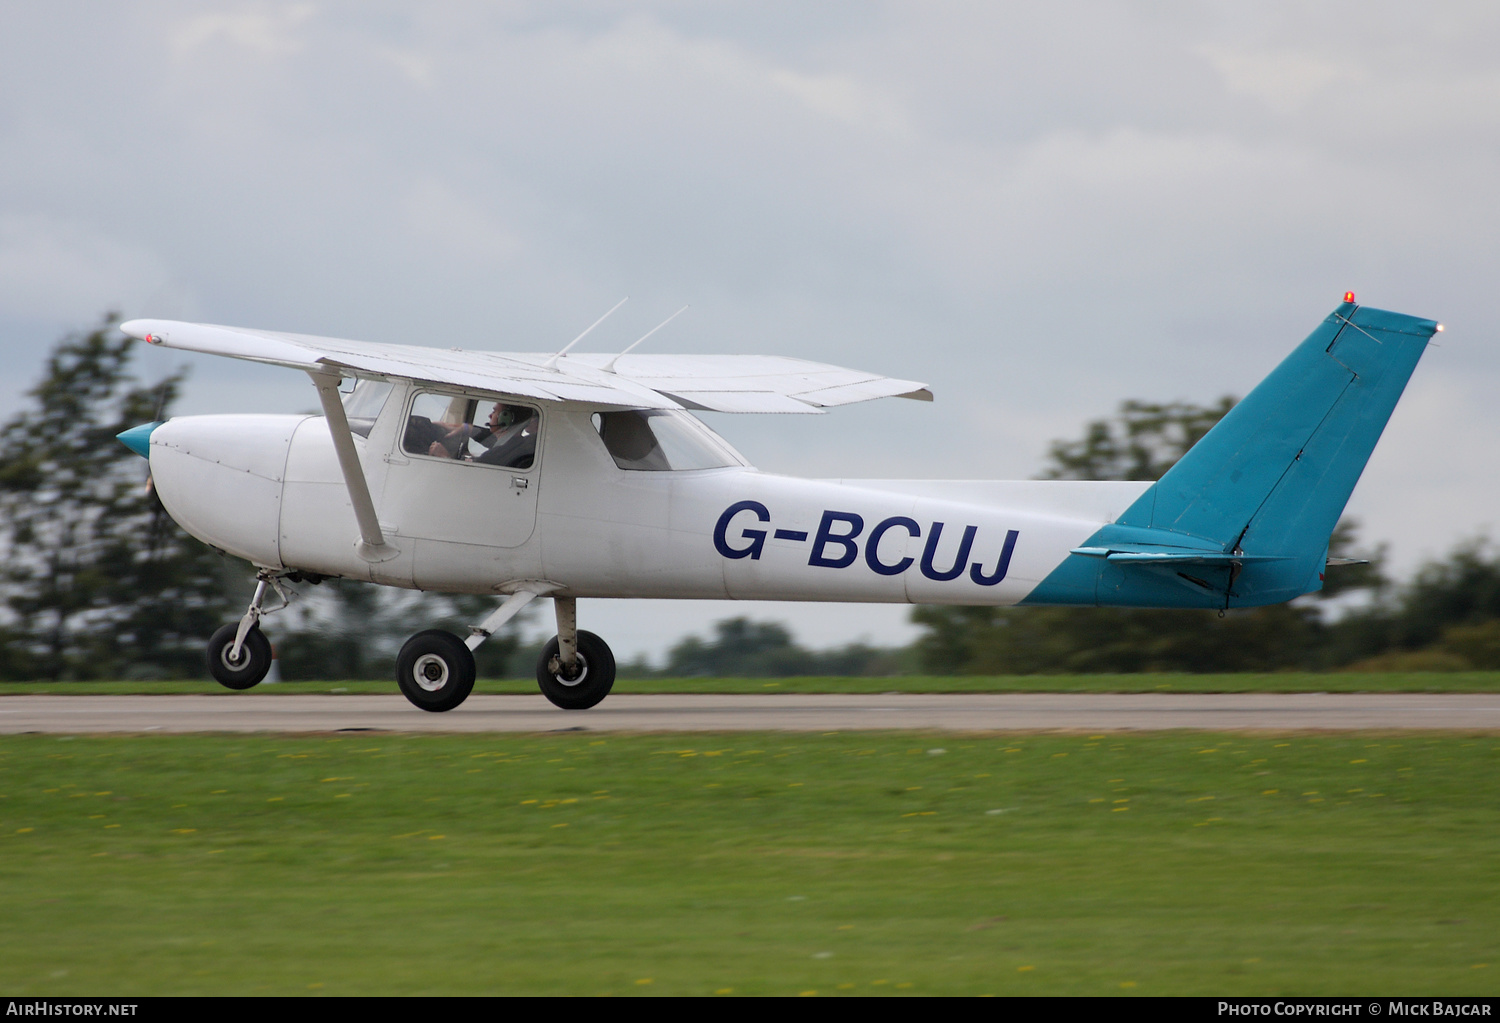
x,y
1285,682
1165,863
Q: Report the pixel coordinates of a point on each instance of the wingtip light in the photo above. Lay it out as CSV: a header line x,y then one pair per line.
x,y
1349,297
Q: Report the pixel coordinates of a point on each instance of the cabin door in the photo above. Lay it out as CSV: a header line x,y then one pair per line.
x,y
465,470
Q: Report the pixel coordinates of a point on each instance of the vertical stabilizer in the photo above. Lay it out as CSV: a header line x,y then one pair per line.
x,y
1268,482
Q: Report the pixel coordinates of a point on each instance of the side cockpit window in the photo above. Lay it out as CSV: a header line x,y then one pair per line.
x,y
477,430
658,440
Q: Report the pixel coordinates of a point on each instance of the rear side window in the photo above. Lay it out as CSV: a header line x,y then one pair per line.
x,y
660,440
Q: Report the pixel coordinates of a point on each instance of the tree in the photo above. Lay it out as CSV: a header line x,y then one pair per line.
x,y
1052,640
740,647
1141,442
744,648
97,580
1446,617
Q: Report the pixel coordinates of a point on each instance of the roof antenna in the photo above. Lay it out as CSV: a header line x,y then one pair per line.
x,y
553,361
609,367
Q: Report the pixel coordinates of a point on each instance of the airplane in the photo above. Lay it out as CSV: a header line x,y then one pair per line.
x,y
570,476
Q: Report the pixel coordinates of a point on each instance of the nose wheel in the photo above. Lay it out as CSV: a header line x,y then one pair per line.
x,y
239,655
240,668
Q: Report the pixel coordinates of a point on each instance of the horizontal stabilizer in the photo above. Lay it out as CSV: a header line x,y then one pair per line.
x,y
1142,554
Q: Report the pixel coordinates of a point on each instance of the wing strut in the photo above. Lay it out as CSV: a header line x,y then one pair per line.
x,y
372,545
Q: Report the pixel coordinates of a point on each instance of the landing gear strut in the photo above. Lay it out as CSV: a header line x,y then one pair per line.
x,y
239,655
576,669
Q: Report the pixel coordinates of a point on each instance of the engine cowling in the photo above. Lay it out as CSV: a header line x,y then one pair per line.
x,y
221,478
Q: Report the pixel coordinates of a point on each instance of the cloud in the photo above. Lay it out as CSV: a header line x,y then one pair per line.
x,y
55,270
1427,487
266,29
843,98
458,225
1284,80
1041,210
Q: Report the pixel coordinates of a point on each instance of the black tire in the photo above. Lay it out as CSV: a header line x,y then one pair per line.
x,y
435,670
596,676
253,663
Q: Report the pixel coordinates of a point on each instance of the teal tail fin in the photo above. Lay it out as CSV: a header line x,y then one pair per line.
x,y
1244,517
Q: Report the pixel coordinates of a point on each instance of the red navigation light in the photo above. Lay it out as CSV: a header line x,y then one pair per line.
x,y
1349,297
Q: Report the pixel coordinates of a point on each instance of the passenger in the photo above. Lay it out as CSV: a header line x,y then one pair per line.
x,y
422,434
440,440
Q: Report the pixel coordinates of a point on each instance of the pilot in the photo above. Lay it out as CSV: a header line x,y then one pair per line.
x,y
509,436
442,440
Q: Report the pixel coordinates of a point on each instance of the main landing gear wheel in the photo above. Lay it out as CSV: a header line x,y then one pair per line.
x,y
249,667
591,680
435,670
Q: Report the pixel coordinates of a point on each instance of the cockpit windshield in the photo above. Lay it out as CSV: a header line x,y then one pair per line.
x,y
363,404
662,440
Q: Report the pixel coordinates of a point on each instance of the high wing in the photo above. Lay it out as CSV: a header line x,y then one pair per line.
x,y
754,383
718,383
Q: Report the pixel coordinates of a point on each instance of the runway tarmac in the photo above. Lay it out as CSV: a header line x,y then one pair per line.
x,y
253,712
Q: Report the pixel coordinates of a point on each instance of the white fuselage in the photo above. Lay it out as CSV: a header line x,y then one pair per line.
x,y
269,489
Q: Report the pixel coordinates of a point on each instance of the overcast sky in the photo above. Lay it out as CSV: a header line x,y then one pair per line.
x,y
1039,209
